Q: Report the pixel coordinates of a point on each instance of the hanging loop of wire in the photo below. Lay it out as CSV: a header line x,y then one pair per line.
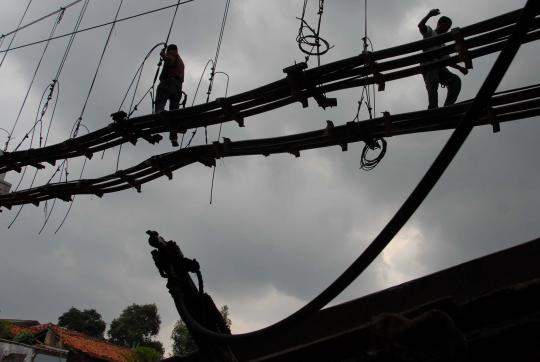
x,y
368,164
309,40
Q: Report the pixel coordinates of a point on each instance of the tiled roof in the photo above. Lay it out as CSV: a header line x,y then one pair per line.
x,y
78,341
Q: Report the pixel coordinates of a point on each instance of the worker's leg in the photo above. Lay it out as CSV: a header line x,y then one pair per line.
x,y
452,83
432,86
175,94
161,97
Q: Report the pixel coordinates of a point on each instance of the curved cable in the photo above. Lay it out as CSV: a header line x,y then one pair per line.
x,y
73,198
368,164
193,102
213,68
55,25
412,203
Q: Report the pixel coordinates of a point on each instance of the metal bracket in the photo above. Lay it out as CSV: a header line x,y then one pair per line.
x,y
373,69
156,163
329,132
295,79
129,180
490,113
229,112
208,161
387,124
89,189
47,189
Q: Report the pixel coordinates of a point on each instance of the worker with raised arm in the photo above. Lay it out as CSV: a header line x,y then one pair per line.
x,y
170,83
440,75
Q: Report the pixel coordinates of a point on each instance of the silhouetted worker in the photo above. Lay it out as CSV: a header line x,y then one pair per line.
x,y
441,75
170,83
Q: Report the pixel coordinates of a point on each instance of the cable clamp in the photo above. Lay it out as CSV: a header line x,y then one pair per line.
x,y
7,158
461,48
329,128
323,101
48,189
90,189
490,113
295,79
294,152
121,126
387,124
122,175
230,113
206,160
373,69
156,163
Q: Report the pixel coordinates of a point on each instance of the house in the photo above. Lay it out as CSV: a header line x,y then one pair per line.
x,y
79,347
17,352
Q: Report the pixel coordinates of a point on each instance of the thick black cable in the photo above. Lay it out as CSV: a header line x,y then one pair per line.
x,y
412,203
96,26
55,25
14,34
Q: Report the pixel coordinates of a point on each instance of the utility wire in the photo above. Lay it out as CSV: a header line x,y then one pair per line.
x,y
78,122
213,68
62,8
14,34
55,25
96,26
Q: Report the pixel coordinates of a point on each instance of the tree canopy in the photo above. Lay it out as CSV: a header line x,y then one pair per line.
x,y
87,321
136,326
183,343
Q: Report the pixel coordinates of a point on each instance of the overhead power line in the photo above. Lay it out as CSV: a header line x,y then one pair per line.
x,y
62,8
97,26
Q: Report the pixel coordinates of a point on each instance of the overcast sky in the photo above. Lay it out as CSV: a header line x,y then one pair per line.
x,y
280,228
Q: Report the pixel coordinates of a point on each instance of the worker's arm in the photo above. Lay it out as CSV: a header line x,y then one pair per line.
x,y
422,24
167,58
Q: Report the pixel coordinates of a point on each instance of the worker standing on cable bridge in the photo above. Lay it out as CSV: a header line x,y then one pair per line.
x,y
170,82
441,75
